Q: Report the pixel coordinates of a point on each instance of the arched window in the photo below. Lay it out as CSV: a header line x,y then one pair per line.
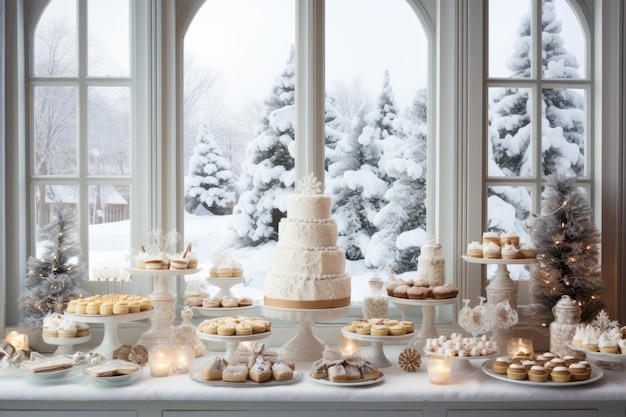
x,y
239,129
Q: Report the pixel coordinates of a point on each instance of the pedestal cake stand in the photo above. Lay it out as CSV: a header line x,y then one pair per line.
x,y
501,287
110,339
232,342
224,285
428,329
377,354
66,344
304,346
163,303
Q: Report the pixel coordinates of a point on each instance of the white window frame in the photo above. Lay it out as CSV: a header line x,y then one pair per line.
x,y
457,101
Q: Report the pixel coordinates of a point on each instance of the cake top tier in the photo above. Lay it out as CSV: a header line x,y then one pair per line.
x,y
308,203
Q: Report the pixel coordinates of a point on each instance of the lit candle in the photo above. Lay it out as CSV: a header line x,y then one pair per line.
x,y
439,368
160,360
349,346
520,346
17,340
183,358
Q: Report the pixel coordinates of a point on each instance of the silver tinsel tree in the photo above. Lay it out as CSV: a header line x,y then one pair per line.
x,y
57,276
567,244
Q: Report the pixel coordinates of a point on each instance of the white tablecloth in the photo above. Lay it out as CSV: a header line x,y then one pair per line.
x,y
397,386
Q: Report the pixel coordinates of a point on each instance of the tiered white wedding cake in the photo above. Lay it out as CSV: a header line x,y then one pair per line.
x,y
308,269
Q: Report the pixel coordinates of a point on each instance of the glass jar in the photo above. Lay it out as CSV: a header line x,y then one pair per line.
x,y
566,319
375,304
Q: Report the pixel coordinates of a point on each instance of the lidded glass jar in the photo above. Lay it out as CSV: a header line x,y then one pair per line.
x,y
375,304
566,319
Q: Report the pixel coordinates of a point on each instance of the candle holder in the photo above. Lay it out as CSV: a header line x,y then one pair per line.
x,y
520,346
183,358
17,340
349,346
439,369
160,360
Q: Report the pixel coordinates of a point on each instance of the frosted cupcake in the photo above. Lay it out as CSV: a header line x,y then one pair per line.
x,y
491,251
607,344
510,252
475,250
509,238
528,251
491,237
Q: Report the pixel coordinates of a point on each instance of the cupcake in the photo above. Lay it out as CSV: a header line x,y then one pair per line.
x,y
475,250
491,251
491,237
569,359
179,261
82,329
418,293
560,374
579,371
622,346
517,372
510,252
500,365
528,251
528,364
67,329
538,373
607,344
51,325
509,238
579,334
590,342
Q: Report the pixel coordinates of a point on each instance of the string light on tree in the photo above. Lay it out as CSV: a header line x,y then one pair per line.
x,y
567,243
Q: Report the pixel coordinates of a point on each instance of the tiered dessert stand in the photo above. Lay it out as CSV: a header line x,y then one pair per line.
x,y
163,303
232,342
428,328
110,339
224,284
501,287
66,344
304,346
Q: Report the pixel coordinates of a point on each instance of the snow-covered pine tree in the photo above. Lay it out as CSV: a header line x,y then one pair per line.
x,y
567,244
355,187
209,181
401,222
268,172
56,277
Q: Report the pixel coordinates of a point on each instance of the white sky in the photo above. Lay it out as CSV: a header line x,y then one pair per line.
x,y
248,41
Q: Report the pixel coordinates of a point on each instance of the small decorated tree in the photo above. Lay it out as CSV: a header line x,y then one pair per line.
x,y
57,276
567,244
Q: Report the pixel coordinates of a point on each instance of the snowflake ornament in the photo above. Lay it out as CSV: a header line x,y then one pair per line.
x,y
604,323
309,185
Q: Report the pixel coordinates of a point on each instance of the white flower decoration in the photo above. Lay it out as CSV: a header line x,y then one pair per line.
x,y
309,185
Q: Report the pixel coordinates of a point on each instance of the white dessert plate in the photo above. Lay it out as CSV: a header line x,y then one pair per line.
x,y
115,381
500,261
359,383
212,311
596,374
462,358
370,338
196,375
48,376
600,356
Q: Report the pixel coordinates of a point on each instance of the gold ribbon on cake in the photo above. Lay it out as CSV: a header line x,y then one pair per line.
x,y
314,304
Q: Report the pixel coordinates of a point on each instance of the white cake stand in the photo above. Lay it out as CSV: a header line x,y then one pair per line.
x,y
110,339
232,342
377,354
221,311
428,328
163,302
66,344
304,345
501,287
224,285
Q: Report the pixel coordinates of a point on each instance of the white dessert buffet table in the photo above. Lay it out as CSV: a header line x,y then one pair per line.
x,y
469,394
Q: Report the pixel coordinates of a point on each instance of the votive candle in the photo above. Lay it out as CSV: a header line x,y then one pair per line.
x,y
160,360
439,368
349,346
520,346
18,340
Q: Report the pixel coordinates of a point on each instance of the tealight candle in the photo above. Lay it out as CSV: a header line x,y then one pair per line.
x,y
183,358
520,346
18,340
439,368
160,360
349,346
